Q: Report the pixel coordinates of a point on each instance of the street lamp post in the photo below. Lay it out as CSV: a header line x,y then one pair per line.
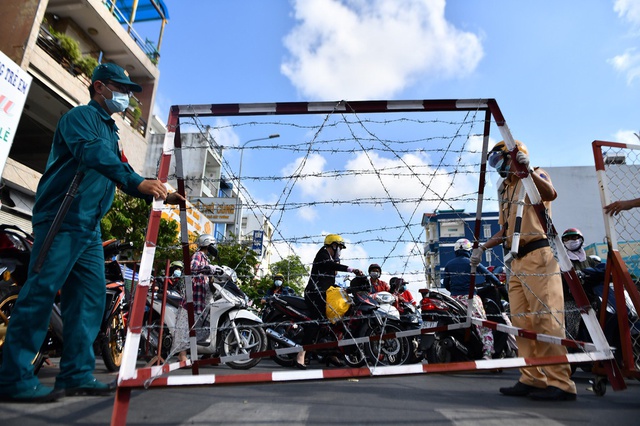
x,y
238,204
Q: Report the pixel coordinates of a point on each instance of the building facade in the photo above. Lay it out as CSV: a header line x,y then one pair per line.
x,y
443,228
56,42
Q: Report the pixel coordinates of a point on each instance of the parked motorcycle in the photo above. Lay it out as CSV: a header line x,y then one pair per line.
x,y
14,262
285,318
113,331
593,283
226,327
439,309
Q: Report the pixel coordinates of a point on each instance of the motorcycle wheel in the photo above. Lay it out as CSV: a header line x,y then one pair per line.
x,y
286,360
438,353
254,339
393,351
8,297
354,356
112,345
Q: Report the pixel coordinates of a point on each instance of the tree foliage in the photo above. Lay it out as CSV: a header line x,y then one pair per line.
x,y
127,221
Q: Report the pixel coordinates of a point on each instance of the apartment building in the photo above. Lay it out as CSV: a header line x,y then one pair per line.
x,y
35,35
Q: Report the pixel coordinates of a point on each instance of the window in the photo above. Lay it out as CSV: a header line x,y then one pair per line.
x,y
451,229
486,229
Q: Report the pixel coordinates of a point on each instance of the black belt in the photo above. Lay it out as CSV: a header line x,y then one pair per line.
x,y
533,245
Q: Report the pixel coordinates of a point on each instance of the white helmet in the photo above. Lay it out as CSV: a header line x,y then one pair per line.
x,y
462,244
205,240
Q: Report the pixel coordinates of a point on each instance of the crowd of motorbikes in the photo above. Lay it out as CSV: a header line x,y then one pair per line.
x,y
377,330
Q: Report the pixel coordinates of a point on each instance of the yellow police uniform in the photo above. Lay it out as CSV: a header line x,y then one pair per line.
x,y
535,290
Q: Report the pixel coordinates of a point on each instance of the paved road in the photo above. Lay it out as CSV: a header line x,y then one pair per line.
x,y
452,399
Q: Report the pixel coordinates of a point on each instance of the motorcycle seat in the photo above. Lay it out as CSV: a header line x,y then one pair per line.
x,y
295,301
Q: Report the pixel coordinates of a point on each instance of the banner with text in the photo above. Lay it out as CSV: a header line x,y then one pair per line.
x,y
14,87
217,209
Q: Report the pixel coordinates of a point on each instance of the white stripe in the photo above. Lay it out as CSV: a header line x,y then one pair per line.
x,y
325,106
256,414
257,108
283,376
474,417
403,105
472,103
202,379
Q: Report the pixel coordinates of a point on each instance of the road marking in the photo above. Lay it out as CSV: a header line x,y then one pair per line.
x,y
462,417
255,414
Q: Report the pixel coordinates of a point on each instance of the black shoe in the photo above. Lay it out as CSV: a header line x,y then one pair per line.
x,y
38,393
300,366
552,393
333,360
520,389
92,388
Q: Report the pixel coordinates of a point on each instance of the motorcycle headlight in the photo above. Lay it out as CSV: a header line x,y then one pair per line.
x,y
385,297
233,298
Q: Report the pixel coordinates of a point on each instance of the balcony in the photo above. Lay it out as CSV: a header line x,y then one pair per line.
x,y
50,45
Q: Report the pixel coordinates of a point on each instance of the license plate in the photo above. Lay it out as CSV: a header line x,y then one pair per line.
x,y
429,324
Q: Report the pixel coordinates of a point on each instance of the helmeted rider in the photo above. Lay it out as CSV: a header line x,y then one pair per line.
x,y
326,265
573,241
457,279
176,269
374,277
277,287
201,270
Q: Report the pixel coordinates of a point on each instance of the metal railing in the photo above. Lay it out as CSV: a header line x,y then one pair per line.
x,y
47,42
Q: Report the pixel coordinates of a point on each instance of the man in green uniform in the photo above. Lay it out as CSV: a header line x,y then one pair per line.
x,y
85,140
535,286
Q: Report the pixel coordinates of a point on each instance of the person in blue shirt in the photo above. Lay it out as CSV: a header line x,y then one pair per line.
x,y
278,288
86,140
456,279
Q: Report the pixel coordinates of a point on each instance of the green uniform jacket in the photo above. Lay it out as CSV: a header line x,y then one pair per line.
x,y
86,137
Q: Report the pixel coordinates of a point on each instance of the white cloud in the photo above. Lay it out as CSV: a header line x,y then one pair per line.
x,y
627,136
356,49
369,175
629,10
628,63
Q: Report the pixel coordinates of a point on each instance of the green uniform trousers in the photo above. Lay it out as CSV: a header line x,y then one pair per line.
x,y
75,265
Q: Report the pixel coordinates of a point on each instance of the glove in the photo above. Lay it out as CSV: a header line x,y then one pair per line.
x,y
476,256
523,159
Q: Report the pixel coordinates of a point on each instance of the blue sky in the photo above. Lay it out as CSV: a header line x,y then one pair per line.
x,y
563,72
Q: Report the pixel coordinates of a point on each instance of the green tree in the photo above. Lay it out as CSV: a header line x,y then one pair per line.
x,y
244,261
128,220
295,273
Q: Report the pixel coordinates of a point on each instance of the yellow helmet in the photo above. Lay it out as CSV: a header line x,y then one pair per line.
x,y
500,152
334,238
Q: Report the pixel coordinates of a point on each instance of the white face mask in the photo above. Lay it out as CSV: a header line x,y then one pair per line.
x,y
375,275
338,251
119,102
573,245
278,283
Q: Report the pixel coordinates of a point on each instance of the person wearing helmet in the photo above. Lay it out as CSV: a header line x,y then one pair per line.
x,y
201,270
457,280
326,265
374,278
535,286
175,275
573,242
278,288
398,287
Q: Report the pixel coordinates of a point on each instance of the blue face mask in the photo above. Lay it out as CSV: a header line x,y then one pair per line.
x,y
278,283
119,102
177,273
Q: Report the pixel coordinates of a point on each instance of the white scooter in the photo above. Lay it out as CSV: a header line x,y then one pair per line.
x,y
226,328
